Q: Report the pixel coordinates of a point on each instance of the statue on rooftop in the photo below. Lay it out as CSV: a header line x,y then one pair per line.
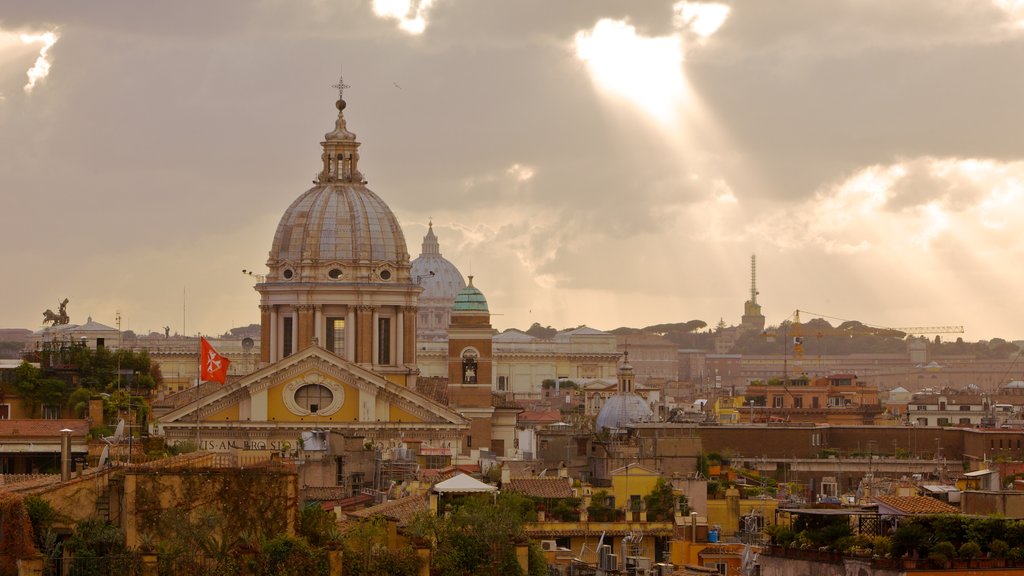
x,y
59,318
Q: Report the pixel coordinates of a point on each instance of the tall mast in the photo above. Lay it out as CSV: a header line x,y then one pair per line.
x,y
753,279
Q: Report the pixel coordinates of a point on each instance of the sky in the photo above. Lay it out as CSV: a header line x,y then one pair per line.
x,y
590,162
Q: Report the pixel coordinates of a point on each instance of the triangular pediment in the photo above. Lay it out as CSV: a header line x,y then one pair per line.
x,y
353,395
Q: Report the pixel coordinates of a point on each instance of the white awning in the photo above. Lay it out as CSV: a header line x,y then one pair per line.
x,y
462,484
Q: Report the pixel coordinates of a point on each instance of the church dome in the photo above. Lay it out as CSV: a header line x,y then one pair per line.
x,y
623,409
440,279
470,299
339,230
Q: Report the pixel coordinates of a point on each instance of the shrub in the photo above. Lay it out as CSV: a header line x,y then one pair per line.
x,y
998,548
942,552
970,550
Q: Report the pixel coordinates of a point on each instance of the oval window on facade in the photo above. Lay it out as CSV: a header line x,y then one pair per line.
x,y
314,397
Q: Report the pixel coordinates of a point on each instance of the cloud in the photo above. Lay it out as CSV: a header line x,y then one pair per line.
x,y
41,68
703,18
909,207
410,14
647,70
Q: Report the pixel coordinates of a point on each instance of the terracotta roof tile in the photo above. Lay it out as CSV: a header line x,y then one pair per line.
x,y
916,505
37,428
401,510
540,416
553,487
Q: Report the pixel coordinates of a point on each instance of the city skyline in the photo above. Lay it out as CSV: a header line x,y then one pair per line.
x,y
589,162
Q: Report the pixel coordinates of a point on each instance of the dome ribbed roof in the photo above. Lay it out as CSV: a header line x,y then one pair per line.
x,y
623,409
469,299
344,222
440,279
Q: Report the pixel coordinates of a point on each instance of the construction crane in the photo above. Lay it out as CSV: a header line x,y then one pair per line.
x,y
908,331
794,331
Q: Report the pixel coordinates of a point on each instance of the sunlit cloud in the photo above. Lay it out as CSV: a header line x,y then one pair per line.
x,y
910,206
520,172
647,71
703,18
1014,9
410,14
41,68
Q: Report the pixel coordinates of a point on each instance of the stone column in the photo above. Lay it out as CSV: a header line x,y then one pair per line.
x,y
400,338
350,334
305,326
265,331
364,344
273,342
295,331
318,321
374,336
410,334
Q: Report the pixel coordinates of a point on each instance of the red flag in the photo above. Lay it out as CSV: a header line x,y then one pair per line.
x,y
212,366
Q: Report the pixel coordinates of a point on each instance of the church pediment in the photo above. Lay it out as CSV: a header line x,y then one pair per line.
x,y
317,387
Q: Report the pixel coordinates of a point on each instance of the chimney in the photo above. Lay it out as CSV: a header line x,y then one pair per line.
x,y
563,470
65,455
506,473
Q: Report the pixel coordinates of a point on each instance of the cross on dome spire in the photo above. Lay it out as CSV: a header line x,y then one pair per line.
x,y
341,86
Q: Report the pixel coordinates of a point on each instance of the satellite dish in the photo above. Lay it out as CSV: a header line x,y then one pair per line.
x,y
118,434
104,456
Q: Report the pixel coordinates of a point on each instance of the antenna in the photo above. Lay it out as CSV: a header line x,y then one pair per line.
x,y
753,278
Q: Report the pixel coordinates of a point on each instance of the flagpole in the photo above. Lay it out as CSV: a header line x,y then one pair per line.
x,y
199,378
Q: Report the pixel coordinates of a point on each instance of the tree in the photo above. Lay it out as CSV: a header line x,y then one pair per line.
x,y
36,391
538,331
366,552
479,537
661,502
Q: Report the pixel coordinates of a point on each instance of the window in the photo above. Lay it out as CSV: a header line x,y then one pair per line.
x,y
384,341
339,471
51,412
5,411
920,407
965,420
814,402
965,408
503,383
469,358
942,422
314,397
798,402
922,421
469,442
634,502
357,482
720,566
286,335
777,401
336,335
581,446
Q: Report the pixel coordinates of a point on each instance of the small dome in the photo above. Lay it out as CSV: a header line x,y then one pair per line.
x,y
623,409
469,299
440,279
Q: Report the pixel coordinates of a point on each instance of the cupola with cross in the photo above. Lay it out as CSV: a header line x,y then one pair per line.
x,y
339,274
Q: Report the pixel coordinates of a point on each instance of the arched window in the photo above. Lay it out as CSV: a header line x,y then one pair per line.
x,y
469,367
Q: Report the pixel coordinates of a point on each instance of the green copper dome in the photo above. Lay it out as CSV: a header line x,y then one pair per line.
x,y
469,299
